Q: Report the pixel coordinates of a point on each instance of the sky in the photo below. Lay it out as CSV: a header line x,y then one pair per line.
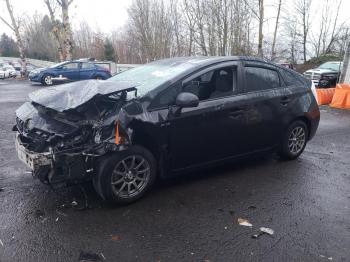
x,y
106,15
109,15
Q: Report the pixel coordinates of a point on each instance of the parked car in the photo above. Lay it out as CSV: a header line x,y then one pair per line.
x,y
68,72
8,71
326,75
162,119
2,74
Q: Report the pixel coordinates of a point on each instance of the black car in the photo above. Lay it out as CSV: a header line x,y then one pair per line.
x,y
162,119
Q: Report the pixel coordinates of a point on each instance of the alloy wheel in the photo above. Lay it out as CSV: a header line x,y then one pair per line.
x,y
296,140
48,80
130,176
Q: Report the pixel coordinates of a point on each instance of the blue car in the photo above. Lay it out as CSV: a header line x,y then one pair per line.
x,y
69,72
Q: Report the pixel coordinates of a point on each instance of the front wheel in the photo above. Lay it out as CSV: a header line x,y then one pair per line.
x,y
47,80
294,140
125,176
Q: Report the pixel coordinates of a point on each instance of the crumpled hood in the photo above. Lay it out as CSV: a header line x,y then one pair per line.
x,y
72,95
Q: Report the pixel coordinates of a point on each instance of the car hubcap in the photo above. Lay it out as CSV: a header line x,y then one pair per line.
x,y
296,140
130,176
48,80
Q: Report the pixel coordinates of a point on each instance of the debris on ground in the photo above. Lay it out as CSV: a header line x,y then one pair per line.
x,y
90,257
1,243
244,222
264,230
252,207
74,203
57,219
115,237
267,230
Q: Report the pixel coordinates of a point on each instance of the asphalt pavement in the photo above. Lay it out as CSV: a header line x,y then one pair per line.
x,y
190,218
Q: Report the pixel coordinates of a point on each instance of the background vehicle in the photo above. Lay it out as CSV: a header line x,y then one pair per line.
x,y
326,75
7,72
164,118
69,72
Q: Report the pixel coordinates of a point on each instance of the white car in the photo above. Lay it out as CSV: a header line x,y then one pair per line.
x,y
8,71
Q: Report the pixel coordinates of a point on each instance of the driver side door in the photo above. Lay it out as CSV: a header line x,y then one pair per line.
x,y
211,131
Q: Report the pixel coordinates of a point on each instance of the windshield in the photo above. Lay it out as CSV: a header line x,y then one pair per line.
x,y
335,66
150,76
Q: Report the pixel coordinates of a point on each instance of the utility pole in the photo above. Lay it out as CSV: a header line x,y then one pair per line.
x,y
345,73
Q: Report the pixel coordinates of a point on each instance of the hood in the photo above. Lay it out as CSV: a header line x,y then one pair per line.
x,y
70,96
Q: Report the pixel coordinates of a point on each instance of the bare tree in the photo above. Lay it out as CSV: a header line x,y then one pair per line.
x,y
62,30
14,25
273,50
345,68
303,8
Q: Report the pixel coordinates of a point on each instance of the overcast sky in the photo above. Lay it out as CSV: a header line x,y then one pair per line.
x,y
109,15
105,14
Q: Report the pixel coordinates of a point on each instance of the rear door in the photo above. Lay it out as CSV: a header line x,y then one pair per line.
x,y
87,70
266,100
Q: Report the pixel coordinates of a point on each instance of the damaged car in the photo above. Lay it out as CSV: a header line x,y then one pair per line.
x,y
162,119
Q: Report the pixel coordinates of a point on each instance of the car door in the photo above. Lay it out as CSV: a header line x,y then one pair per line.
x,y
265,100
211,131
70,71
87,71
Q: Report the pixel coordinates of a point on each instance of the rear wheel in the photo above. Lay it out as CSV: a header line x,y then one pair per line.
x,y
47,80
294,140
126,176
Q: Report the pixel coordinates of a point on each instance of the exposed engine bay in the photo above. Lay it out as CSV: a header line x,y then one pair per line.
x,y
63,130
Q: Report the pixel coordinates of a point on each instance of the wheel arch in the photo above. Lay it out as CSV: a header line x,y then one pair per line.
x,y
304,119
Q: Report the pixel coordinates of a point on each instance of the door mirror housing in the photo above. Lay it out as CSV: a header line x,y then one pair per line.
x,y
186,99
59,67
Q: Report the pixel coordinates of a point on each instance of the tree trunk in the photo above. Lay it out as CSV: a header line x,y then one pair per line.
x,y
261,22
346,64
273,51
67,31
56,30
15,29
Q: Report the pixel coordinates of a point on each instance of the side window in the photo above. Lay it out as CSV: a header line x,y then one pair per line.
x,y
213,84
258,79
290,79
167,97
71,66
87,66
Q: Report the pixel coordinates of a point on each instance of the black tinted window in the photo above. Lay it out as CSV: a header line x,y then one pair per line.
x,y
167,97
290,78
213,84
261,79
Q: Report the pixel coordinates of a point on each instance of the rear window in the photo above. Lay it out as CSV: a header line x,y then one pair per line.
x,y
290,78
258,79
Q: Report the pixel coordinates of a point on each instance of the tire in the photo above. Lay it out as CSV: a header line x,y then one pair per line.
x,y
117,179
99,78
294,140
46,80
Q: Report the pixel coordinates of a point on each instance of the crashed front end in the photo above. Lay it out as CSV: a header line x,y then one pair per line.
x,y
61,140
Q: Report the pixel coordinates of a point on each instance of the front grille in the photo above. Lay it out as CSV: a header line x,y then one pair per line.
x,y
312,76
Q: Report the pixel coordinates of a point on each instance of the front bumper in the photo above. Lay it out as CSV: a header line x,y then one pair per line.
x,y
33,160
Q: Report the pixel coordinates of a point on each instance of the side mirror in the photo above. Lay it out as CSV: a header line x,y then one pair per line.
x,y
186,99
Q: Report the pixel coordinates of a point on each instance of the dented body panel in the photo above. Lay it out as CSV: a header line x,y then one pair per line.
x,y
68,128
